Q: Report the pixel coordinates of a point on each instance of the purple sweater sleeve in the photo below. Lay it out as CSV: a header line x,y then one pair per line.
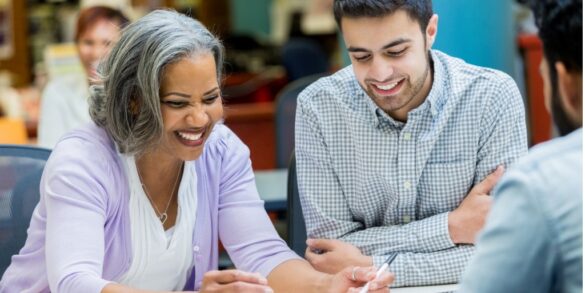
x,y
244,227
76,201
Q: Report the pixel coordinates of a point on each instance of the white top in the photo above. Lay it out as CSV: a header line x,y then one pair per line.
x,y
161,259
64,106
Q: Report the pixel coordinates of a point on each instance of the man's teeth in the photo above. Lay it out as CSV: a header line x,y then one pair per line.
x,y
190,136
387,87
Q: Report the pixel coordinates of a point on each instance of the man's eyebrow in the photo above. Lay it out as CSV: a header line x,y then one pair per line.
x,y
387,46
355,49
396,43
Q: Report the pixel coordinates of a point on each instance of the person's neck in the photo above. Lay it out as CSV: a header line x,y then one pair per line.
x,y
158,171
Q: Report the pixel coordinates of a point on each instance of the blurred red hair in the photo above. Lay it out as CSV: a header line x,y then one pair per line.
x,y
91,15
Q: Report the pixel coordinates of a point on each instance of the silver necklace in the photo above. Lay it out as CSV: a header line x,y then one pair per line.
x,y
161,216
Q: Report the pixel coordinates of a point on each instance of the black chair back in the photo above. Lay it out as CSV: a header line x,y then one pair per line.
x,y
303,57
21,168
297,233
284,118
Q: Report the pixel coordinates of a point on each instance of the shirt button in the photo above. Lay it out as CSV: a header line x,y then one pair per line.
x,y
196,248
407,184
406,219
406,136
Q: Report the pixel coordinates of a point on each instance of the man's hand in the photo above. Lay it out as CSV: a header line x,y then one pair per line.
x,y
468,219
331,255
351,279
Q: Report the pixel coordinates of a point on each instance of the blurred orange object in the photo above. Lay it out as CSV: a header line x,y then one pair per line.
x,y
539,120
12,131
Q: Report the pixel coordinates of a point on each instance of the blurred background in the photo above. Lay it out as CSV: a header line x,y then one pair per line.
x,y
274,49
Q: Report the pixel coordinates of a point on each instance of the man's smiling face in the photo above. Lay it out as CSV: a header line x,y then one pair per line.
x,y
390,58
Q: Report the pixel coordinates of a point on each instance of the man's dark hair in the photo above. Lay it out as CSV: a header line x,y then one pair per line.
x,y
560,27
419,10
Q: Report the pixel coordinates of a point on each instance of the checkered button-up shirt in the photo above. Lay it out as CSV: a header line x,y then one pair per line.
x,y
386,186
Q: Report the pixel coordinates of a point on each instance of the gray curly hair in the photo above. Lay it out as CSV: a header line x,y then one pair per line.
x,y
125,101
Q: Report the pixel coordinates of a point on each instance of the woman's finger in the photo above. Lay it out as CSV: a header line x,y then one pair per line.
x,y
381,283
246,287
230,276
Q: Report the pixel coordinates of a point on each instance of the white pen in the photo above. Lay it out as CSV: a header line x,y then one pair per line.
x,y
382,269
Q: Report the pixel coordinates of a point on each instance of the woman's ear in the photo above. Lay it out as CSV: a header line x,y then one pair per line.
x,y
134,107
570,90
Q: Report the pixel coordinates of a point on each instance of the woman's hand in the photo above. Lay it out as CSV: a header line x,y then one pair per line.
x,y
352,279
234,281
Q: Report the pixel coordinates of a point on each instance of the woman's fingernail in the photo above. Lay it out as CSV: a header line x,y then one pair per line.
x,y
268,290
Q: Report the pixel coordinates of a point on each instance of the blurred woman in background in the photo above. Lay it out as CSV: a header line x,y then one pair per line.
x,y
64,103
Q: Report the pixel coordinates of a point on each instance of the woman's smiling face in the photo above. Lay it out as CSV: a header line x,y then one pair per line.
x,y
191,104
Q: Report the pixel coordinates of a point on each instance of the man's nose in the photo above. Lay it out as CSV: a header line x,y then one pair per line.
x,y
380,69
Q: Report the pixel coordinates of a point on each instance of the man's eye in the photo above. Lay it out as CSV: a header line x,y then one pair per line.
x,y
396,53
361,58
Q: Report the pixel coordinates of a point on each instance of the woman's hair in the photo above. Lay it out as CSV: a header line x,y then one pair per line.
x,y
91,15
126,101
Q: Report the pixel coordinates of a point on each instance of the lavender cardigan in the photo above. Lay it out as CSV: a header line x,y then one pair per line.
x,y
79,235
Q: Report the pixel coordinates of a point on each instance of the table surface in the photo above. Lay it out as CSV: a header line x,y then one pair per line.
x,y
271,186
426,289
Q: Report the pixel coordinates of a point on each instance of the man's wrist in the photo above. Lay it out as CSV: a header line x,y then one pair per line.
x,y
453,224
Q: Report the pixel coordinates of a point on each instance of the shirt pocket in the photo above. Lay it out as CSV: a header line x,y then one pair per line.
x,y
443,186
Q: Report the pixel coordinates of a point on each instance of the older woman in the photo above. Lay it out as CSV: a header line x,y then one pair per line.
x,y
64,103
138,200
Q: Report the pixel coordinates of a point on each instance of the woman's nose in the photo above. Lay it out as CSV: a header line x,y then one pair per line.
x,y
198,116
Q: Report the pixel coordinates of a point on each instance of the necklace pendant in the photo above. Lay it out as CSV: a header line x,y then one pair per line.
x,y
163,218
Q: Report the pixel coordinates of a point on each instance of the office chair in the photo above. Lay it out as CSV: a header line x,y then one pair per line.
x,y
21,168
284,117
297,233
303,57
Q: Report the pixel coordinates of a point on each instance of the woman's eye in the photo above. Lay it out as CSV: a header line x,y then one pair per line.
x,y
174,104
210,100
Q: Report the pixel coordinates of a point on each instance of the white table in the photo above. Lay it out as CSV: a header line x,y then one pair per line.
x,y
271,186
426,289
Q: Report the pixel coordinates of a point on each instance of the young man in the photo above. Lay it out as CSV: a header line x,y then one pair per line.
x,y
396,154
533,240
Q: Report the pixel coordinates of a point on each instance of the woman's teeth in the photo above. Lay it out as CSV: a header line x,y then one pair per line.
x,y
190,136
